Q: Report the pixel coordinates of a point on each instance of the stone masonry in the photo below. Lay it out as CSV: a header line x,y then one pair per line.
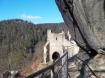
x,y
57,43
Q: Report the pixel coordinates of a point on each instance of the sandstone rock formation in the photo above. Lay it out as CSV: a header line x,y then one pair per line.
x,y
86,19
86,22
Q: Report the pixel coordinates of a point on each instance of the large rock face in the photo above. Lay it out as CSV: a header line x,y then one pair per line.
x,y
86,22
86,17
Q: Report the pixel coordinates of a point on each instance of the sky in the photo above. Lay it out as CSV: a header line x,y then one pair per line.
x,y
36,11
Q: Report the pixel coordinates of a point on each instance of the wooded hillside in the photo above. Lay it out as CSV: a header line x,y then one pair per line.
x,y
22,41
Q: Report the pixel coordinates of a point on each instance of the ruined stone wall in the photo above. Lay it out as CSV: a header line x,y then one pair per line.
x,y
58,43
55,43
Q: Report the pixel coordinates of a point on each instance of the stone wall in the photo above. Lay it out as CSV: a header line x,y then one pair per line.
x,y
58,44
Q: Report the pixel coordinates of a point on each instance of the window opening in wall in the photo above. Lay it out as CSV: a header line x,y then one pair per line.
x,y
56,38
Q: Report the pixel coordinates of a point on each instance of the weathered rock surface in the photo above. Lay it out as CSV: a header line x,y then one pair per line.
x,y
98,66
86,17
86,22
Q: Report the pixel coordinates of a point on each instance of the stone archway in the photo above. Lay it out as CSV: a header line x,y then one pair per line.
x,y
55,56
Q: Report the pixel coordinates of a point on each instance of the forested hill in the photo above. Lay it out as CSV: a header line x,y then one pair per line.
x,y
22,41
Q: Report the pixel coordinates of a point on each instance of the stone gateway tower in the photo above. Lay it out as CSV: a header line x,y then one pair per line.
x,y
56,44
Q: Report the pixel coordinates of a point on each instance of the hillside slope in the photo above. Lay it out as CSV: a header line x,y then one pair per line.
x,y
21,43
